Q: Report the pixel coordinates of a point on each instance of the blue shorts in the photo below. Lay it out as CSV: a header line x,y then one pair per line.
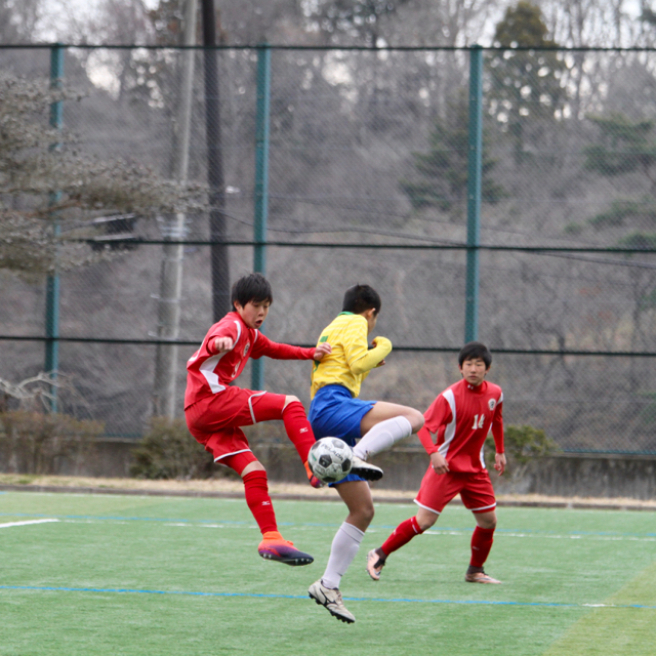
x,y
335,413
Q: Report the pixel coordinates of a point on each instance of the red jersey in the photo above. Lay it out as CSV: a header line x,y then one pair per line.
x,y
210,373
459,420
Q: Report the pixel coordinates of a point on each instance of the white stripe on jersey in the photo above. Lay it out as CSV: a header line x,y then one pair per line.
x,y
208,367
212,378
450,431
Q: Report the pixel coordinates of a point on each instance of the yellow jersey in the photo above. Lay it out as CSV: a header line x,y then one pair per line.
x,y
351,359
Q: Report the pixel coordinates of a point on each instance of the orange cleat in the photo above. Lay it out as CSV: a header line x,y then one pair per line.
x,y
314,481
275,547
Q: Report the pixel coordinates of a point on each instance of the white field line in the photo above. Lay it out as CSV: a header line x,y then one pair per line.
x,y
314,528
543,536
29,521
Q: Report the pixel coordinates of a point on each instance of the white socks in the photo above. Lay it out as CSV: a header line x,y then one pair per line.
x,y
344,549
382,436
348,537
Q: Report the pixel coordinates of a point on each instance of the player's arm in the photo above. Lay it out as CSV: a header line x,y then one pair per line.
x,y
360,358
223,340
497,434
220,345
321,351
279,351
436,419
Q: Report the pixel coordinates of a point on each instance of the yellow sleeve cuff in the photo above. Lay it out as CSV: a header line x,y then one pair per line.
x,y
373,357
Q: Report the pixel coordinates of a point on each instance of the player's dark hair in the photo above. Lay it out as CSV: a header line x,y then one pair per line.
x,y
253,287
475,350
360,298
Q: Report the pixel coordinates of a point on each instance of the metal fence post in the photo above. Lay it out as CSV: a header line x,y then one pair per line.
x,y
52,281
474,176
261,179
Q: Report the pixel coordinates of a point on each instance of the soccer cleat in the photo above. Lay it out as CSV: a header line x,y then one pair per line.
x,y
313,480
365,470
331,599
479,577
374,565
275,547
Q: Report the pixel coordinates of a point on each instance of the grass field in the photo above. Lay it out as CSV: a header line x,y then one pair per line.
x,y
110,574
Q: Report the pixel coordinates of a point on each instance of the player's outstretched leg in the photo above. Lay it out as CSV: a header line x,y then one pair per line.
x,y
275,547
300,433
401,535
331,599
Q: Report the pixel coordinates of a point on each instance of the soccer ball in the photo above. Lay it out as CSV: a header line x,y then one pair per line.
x,y
330,459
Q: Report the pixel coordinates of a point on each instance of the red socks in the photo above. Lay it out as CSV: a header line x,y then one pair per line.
x,y
257,497
298,428
481,543
402,534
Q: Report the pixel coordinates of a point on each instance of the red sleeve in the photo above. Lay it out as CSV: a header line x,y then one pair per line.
x,y
265,346
497,428
221,329
436,418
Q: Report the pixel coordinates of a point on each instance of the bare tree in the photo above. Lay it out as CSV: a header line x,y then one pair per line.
x,y
18,20
32,168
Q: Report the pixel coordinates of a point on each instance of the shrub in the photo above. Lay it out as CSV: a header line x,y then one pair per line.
x,y
168,450
522,444
33,442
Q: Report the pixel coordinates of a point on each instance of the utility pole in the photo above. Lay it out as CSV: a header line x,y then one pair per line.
x,y
219,256
168,311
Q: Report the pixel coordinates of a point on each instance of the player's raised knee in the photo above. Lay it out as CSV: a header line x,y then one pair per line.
x,y
290,399
415,418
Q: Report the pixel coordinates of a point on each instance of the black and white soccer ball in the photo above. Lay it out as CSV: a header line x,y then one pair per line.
x,y
330,459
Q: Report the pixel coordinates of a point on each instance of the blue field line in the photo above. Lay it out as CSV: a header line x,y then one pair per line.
x,y
249,523
252,595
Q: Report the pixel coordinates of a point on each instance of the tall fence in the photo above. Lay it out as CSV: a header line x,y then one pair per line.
x,y
354,165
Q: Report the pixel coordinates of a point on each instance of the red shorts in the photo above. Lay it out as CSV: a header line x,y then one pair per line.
x,y
475,490
215,420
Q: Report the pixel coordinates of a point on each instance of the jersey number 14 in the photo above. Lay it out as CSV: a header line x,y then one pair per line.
x,y
478,422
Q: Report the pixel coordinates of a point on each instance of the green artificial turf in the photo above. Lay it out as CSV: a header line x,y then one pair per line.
x,y
181,576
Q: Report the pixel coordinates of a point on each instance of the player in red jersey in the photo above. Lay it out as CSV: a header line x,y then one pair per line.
x,y
215,410
457,423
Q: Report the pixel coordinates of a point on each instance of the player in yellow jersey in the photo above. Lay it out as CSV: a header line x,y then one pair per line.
x,y
337,411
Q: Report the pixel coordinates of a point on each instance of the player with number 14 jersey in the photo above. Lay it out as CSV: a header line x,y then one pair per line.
x,y
454,432
458,422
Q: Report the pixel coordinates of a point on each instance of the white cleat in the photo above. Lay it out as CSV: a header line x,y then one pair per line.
x,y
365,470
331,599
480,577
